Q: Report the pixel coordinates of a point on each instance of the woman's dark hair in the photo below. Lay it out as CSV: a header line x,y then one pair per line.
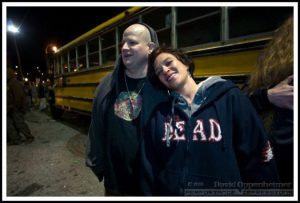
x,y
183,58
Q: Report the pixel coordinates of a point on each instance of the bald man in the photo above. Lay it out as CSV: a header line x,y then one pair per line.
x,y
115,129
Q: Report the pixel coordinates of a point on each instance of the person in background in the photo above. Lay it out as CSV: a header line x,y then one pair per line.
x,y
42,96
29,103
271,91
205,135
115,129
16,108
34,95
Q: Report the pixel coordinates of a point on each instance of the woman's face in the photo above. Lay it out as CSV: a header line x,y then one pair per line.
x,y
170,71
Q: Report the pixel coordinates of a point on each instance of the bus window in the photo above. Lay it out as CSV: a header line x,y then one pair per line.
x,y
108,44
56,67
160,20
93,47
257,19
109,56
73,66
187,13
81,56
198,29
65,62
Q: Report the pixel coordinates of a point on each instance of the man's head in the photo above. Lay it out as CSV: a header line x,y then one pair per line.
x,y
138,42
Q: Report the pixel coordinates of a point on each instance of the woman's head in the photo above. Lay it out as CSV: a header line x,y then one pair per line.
x,y
276,61
169,68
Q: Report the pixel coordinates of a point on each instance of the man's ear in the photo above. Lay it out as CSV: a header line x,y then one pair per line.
x,y
152,46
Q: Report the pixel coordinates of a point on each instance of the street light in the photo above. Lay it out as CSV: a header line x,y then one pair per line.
x,y
13,29
51,48
50,51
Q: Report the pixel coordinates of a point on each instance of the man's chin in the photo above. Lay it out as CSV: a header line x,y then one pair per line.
x,y
128,64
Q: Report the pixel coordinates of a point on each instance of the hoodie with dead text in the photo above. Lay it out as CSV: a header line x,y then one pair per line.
x,y
218,142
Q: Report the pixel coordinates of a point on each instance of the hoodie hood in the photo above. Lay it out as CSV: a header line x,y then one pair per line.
x,y
213,88
153,34
118,73
209,90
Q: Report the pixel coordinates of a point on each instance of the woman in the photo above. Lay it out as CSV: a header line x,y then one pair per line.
x,y
205,139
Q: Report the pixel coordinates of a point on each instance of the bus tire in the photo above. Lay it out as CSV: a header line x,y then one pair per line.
x,y
56,113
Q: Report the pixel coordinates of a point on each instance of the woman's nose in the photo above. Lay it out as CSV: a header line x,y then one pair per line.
x,y
165,68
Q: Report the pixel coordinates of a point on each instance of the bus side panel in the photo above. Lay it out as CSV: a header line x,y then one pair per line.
x,y
89,77
76,92
84,92
68,104
238,63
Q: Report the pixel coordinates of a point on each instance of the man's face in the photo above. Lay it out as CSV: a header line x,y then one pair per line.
x,y
135,46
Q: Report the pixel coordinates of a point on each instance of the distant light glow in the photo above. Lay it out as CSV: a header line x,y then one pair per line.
x,y
12,28
26,79
54,48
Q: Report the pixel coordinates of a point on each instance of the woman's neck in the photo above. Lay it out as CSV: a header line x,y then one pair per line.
x,y
188,90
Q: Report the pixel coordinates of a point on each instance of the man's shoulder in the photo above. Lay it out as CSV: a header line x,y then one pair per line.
x,y
104,85
106,79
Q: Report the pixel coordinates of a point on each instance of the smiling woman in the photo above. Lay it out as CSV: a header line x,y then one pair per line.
x,y
196,120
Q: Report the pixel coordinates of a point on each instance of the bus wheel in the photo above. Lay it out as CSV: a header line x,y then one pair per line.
x,y
56,113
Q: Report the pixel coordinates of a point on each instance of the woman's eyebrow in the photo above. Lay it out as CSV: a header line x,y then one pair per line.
x,y
166,59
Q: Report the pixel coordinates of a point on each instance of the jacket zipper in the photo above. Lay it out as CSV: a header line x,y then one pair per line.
x,y
185,168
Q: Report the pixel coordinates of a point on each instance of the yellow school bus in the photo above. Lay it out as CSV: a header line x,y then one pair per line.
x,y
222,41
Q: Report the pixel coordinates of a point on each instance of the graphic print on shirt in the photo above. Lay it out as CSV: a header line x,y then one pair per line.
x,y
126,109
199,132
267,153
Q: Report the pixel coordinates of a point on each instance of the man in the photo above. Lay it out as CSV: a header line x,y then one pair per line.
x,y
16,108
115,130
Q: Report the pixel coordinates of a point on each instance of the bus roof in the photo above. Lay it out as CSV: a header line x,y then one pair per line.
x,y
100,27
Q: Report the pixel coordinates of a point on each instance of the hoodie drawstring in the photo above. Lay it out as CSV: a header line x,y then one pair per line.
x,y
172,120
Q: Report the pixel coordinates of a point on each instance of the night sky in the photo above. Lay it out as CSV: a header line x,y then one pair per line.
x,y
43,25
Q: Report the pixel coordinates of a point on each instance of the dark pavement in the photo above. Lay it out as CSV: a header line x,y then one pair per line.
x,y
53,164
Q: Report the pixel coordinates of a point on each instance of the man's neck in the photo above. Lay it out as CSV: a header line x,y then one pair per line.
x,y
136,73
